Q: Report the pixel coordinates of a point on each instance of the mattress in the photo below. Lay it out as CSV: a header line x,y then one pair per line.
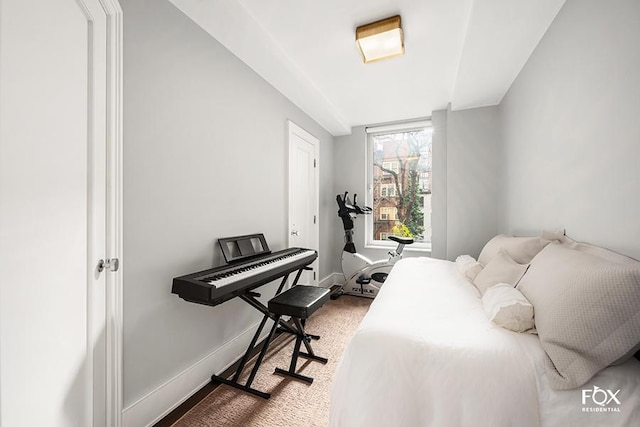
x,y
427,355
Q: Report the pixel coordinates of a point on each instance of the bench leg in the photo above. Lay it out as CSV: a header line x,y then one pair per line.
x,y
296,351
300,325
295,375
314,357
301,337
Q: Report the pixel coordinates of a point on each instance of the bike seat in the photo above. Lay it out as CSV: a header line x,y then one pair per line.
x,y
403,240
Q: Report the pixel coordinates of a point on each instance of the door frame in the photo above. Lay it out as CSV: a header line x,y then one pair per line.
x,y
114,215
293,129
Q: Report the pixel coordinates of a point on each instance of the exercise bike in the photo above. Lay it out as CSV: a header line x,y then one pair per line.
x,y
363,277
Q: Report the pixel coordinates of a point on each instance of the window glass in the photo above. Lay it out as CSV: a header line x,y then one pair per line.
x,y
400,182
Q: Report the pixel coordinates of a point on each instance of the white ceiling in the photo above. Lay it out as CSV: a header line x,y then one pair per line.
x,y
463,52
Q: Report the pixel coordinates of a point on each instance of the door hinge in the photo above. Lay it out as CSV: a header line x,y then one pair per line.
x,y
314,219
111,264
314,276
314,163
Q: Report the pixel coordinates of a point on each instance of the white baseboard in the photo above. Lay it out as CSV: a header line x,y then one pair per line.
x,y
332,279
157,404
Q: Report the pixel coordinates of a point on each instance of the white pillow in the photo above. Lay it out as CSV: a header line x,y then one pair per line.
x,y
501,269
468,266
521,249
556,235
507,307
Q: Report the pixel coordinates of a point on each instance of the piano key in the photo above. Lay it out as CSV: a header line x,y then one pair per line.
x,y
241,274
219,284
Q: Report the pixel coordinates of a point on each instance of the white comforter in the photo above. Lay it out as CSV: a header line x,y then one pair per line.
x,y
427,355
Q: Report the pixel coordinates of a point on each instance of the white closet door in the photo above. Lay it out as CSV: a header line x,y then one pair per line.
x,y
303,195
52,212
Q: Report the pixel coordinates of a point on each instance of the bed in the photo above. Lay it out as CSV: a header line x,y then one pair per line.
x,y
427,354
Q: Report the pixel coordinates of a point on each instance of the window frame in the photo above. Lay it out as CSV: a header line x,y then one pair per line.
x,y
369,240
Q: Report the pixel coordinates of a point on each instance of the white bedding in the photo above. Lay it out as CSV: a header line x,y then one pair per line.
x,y
427,355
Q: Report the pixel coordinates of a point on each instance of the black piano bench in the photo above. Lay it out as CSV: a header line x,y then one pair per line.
x,y
299,302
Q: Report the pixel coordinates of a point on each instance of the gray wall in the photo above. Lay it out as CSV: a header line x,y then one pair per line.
x,y
571,128
350,167
439,185
466,159
205,157
473,166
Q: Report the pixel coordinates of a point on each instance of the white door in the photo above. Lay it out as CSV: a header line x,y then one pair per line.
x,y
53,212
303,195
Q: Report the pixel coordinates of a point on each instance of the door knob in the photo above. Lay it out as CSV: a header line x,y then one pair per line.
x,y
112,264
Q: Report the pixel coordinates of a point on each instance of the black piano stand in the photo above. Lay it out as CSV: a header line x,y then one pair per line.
x,y
250,298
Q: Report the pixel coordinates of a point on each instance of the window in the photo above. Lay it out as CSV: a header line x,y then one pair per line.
x,y
399,158
388,213
387,190
390,167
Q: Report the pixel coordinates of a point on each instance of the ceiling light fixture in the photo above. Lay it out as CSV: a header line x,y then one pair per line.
x,y
380,40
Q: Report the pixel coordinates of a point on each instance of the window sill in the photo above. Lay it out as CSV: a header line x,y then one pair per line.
x,y
423,248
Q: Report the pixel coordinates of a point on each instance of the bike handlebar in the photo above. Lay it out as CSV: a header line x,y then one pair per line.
x,y
347,208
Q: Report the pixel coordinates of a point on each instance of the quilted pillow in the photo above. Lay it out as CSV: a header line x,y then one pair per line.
x,y
521,249
587,311
507,307
501,269
598,251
